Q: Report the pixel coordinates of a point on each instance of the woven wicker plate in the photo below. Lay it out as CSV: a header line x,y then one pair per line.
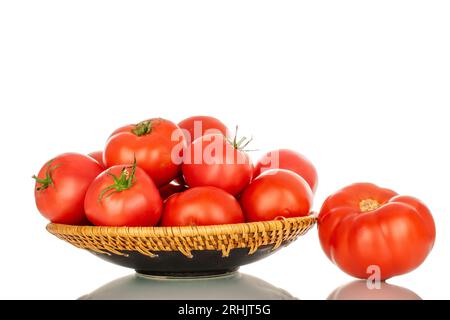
x,y
185,251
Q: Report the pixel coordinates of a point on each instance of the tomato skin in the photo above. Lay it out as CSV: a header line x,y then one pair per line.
x,y
226,167
289,160
141,205
201,206
153,150
63,201
397,235
98,156
207,125
171,188
276,193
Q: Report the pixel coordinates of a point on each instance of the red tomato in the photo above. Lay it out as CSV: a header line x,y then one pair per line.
x,y
157,145
201,206
289,160
364,228
61,186
98,156
276,193
197,126
213,161
123,196
171,188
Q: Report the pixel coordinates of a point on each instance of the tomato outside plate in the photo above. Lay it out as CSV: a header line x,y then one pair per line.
x,y
371,231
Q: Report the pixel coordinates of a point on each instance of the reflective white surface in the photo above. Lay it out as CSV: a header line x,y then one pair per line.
x,y
235,286
359,290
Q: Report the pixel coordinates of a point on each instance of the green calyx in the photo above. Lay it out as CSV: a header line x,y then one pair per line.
x,y
124,182
48,180
240,144
142,128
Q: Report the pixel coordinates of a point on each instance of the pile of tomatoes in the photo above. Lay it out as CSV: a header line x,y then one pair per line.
x,y
196,173
159,173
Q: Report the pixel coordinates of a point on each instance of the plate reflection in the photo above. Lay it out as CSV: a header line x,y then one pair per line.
x,y
234,286
358,290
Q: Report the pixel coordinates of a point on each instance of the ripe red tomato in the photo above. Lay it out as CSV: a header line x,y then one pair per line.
x,y
363,226
171,188
98,156
123,196
276,193
61,186
289,160
157,145
212,160
201,206
197,126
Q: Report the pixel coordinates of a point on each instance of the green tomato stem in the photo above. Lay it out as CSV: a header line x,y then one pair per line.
x,y
48,180
124,182
240,144
143,128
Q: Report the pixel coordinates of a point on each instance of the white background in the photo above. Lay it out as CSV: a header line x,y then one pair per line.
x,y
360,87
